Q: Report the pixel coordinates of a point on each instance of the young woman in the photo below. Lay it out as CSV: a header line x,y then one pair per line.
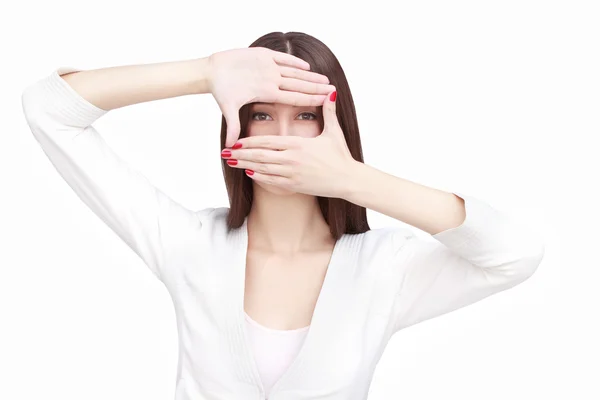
x,y
286,294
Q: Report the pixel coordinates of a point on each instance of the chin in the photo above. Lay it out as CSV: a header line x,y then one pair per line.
x,y
274,189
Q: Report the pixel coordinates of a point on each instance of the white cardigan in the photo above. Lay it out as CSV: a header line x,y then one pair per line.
x,y
377,282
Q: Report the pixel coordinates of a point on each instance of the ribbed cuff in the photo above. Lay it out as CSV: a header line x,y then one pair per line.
x,y
65,103
477,212
488,231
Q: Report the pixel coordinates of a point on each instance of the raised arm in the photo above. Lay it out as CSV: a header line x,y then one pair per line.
x,y
115,87
473,250
61,107
487,253
60,117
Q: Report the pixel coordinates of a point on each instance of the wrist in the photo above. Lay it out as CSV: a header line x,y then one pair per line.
x,y
200,73
350,179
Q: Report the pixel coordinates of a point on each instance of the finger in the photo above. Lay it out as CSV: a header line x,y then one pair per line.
x,y
298,85
259,155
330,119
274,180
299,99
309,76
288,59
263,168
231,114
273,142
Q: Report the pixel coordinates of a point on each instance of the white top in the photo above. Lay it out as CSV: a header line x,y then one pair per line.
x,y
377,282
273,349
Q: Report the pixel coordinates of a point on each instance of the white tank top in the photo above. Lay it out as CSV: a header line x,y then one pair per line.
x,y
274,349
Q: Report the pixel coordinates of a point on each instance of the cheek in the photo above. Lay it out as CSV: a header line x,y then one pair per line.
x,y
259,132
256,129
309,130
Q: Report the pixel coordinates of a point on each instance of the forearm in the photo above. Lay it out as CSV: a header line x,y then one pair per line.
x,y
120,86
423,207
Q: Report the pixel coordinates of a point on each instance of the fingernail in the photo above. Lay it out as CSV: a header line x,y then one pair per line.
x,y
232,162
332,97
237,146
226,153
250,172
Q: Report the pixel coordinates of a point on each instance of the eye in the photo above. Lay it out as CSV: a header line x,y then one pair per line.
x,y
258,116
309,116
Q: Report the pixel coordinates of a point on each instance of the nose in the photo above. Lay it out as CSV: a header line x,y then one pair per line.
x,y
285,128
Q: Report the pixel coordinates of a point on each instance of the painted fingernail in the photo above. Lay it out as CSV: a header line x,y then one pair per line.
x,y
237,146
332,97
226,153
250,172
232,162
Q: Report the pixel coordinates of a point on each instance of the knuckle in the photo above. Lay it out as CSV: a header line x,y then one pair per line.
x,y
263,169
261,154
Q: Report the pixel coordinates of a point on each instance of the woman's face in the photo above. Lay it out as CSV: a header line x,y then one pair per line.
x,y
283,120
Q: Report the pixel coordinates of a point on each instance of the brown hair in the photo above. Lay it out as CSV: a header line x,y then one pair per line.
x,y
341,215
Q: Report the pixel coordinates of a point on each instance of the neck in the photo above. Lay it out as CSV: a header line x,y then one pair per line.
x,y
288,223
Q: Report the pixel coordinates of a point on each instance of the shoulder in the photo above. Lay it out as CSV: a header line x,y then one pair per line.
x,y
388,239
377,248
209,214
213,220
372,258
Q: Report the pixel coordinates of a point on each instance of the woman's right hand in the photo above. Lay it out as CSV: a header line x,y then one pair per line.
x,y
257,74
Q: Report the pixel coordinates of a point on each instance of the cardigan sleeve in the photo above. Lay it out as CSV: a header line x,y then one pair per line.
x,y
488,253
139,213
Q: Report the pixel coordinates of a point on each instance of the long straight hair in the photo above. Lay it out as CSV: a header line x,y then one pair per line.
x,y
341,216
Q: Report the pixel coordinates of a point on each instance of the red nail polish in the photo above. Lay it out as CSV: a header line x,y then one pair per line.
x,y
226,153
250,172
232,162
237,146
333,96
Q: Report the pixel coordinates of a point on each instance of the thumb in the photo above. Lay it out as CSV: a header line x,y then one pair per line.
x,y
232,118
330,120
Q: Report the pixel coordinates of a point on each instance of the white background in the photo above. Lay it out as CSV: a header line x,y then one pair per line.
x,y
499,100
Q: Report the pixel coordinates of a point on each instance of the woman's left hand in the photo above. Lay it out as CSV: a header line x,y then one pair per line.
x,y
319,166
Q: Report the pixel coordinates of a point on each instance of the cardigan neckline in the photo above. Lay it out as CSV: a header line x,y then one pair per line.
x,y
318,325
273,330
